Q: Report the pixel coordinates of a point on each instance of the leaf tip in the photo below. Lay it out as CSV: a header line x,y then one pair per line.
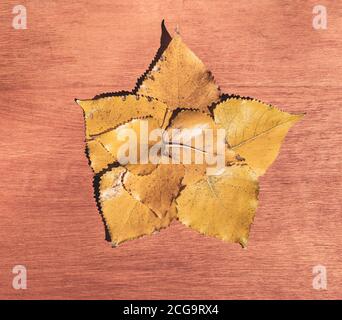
x,y
163,25
82,103
165,38
243,242
298,116
79,102
114,244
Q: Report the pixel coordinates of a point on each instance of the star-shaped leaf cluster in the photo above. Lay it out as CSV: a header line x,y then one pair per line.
x,y
178,92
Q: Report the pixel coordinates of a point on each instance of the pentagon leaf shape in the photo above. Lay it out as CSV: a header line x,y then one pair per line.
x,y
178,92
125,217
180,79
221,206
254,130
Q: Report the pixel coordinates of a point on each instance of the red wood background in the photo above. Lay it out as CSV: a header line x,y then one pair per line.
x,y
48,218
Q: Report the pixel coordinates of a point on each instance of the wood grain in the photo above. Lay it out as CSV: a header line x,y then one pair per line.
x,y
48,217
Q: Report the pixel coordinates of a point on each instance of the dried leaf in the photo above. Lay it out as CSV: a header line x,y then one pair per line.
x,y
180,79
107,113
119,137
221,206
99,157
127,218
178,94
186,129
192,134
193,173
158,189
105,117
254,130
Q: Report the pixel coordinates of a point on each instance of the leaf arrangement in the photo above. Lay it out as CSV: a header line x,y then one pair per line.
x,y
177,91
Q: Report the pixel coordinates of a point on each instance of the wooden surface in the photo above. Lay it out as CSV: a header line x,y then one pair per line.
x,y
48,217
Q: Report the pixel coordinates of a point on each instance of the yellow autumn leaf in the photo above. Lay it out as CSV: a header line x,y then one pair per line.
x,y
99,157
188,128
175,104
193,172
105,114
158,189
131,138
221,206
254,130
131,132
180,79
189,143
126,217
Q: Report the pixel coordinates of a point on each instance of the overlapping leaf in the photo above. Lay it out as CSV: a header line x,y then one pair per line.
x,y
180,79
254,129
178,96
221,206
125,216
